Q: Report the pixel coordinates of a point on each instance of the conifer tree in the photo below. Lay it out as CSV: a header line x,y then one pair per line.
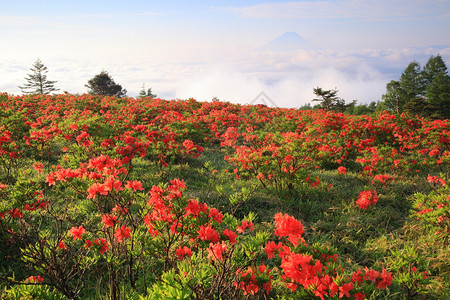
x,y
412,82
146,93
327,98
438,96
103,84
330,101
37,82
423,92
433,67
394,99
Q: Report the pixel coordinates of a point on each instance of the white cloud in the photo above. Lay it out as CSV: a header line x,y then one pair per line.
x,y
288,78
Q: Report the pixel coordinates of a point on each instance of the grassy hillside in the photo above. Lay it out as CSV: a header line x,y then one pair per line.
x,y
152,199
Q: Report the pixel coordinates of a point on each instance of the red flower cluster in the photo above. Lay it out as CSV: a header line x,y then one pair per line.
x,y
250,280
217,250
77,232
122,232
207,233
290,227
181,252
35,279
367,198
436,179
342,170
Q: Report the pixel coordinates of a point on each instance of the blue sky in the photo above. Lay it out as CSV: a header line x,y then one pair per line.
x,y
205,49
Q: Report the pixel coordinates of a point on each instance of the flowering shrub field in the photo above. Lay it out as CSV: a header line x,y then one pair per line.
x,y
123,198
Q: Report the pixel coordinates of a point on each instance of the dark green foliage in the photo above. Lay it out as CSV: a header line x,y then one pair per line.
x,y
330,101
103,84
362,109
417,107
37,82
306,106
425,92
438,96
432,68
146,93
411,81
326,97
393,100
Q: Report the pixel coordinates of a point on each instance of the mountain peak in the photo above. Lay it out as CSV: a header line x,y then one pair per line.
x,y
288,41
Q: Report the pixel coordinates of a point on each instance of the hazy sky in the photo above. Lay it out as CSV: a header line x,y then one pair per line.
x,y
206,49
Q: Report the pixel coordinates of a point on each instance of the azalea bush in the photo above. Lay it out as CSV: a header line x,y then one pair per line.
x,y
146,198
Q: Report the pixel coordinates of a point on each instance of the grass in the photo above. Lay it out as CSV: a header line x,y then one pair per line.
x,y
368,238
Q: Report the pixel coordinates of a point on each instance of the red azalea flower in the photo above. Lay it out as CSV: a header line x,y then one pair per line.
x,y
366,199
245,224
120,209
109,220
344,290
29,207
288,226
357,276
88,244
216,215
342,170
122,233
112,183
38,167
61,245
383,179
35,279
359,296
231,235
436,179
177,184
215,251
334,288
270,249
97,188
16,213
386,279
371,275
76,232
103,243
208,233
134,185
195,208
182,252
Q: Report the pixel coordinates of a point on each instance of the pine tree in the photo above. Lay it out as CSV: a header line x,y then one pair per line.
x,y
438,96
143,93
103,84
394,99
37,82
420,92
411,81
437,90
330,101
434,66
327,97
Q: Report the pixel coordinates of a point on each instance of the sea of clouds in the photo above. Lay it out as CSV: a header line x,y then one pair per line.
x,y
287,78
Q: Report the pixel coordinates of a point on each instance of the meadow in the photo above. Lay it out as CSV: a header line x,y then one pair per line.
x,y
140,198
